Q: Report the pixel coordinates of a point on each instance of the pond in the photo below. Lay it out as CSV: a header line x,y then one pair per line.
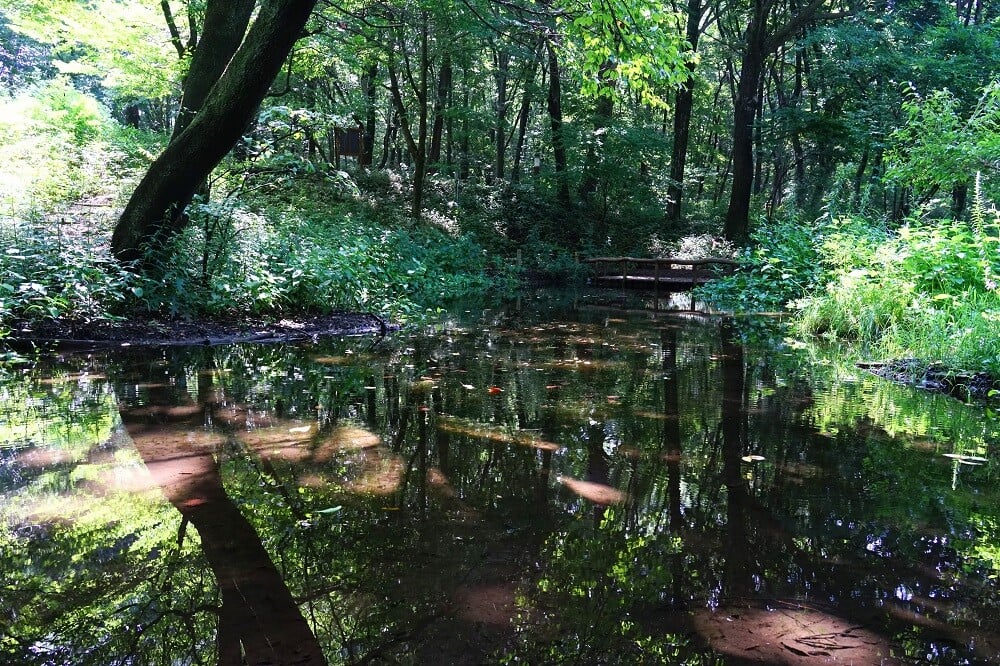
x,y
547,481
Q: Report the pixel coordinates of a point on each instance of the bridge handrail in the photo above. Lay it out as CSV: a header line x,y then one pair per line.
x,y
660,261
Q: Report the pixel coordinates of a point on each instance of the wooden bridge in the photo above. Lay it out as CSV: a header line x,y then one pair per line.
x,y
665,274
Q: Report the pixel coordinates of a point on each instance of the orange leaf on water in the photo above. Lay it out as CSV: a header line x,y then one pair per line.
x,y
493,390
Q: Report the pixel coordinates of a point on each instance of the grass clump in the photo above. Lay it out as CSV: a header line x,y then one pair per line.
x,y
926,290
47,277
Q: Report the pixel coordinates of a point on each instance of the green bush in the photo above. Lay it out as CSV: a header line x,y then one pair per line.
x,y
52,147
45,277
925,291
781,265
281,258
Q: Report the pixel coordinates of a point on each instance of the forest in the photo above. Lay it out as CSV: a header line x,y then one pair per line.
x,y
200,159
304,359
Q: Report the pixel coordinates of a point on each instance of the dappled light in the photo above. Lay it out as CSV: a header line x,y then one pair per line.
x,y
598,493
702,501
792,634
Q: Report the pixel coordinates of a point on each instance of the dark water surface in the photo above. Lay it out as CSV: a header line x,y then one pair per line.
x,y
543,483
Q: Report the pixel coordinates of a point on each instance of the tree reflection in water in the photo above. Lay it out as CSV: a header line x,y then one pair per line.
x,y
542,487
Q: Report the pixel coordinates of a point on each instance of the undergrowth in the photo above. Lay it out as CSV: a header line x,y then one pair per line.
x,y
925,290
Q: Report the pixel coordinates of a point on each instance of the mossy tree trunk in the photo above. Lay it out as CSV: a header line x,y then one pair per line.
x,y
154,213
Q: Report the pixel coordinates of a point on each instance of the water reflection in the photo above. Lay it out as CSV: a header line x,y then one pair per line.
x,y
537,485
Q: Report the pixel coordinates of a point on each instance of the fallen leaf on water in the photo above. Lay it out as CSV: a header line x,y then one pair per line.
x,y
752,458
468,387
493,390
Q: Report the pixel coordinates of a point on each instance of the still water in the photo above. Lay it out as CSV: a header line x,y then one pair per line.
x,y
546,482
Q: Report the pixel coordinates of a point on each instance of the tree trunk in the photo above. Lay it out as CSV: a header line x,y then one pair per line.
x,y
501,74
440,103
225,25
522,130
603,114
154,212
416,145
759,44
744,112
556,123
368,145
683,106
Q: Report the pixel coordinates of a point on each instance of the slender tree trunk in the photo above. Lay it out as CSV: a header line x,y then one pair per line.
x,y
603,115
501,75
416,144
683,107
744,112
522,130
759,44
155,210
440,104
367,156
464,147
556,123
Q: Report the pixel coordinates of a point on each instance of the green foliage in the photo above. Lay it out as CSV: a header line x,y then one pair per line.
x,y
277,258
47,278
625,46
782,264
125,46
52,147
927,290
940,146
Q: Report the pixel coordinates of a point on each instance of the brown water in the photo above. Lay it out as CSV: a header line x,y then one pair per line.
x,y
543,483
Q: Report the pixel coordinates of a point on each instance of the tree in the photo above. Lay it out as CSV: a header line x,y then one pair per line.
x,y
154,212
223,29
761,39
683,104
938,148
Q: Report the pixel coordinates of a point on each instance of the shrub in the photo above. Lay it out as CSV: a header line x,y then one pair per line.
x,y
781,265
45,277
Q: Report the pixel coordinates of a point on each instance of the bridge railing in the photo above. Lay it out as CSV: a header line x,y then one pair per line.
x,y
661,271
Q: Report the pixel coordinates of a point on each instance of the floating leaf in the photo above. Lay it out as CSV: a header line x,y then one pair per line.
x,y
753,458
493,390
332,509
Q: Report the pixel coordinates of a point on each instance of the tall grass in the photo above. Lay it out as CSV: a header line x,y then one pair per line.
x,y
925,291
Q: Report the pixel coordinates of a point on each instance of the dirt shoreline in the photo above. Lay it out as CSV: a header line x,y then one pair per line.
x,y
937,378
174,332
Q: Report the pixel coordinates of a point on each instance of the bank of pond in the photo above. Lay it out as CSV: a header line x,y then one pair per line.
x,y
540,481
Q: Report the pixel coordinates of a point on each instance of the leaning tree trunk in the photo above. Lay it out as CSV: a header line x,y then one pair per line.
x,y
154,212
222,32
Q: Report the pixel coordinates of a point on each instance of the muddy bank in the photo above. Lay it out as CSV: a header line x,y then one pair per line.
x,y
967,386
163,332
